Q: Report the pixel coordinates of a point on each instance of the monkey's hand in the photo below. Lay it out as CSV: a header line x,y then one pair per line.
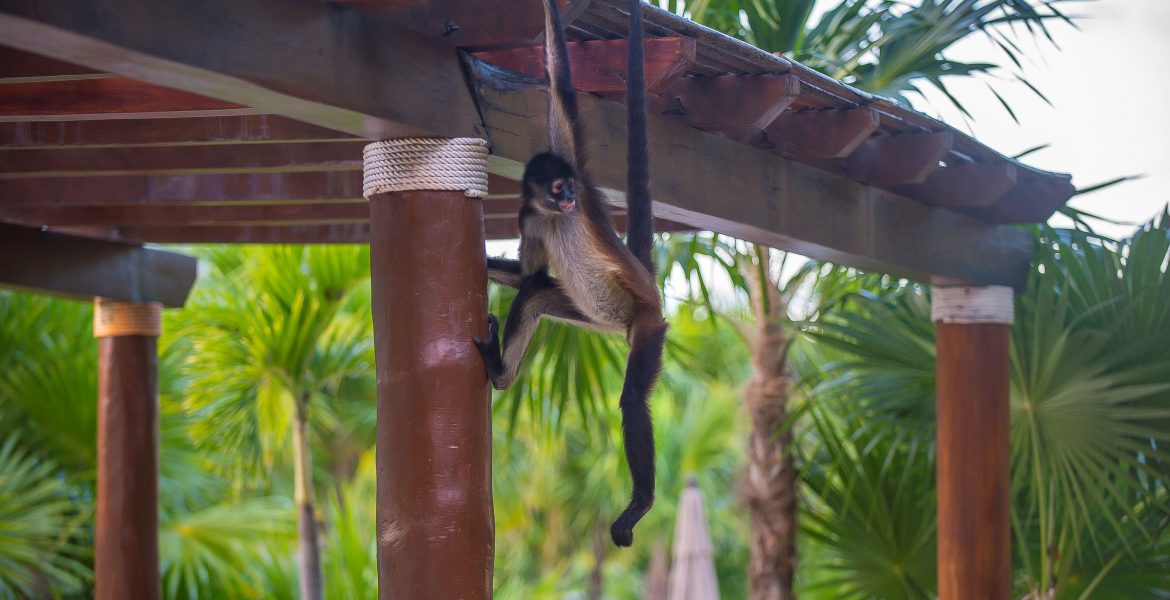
x,y
490,349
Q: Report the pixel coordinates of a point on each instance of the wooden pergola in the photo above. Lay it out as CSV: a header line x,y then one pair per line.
x,y
125,122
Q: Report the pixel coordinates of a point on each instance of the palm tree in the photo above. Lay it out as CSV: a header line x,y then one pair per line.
x,y
883,47
276,332
1090,407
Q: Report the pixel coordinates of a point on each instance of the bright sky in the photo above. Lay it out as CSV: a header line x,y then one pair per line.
x,y
1106,83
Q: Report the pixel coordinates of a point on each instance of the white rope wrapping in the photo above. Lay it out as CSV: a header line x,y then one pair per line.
x,y
453,164
972,304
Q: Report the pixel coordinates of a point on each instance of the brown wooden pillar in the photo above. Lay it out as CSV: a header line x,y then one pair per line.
x,y
974,531
436,530
126,532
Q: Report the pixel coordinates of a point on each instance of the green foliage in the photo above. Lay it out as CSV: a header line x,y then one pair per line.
x,y
39,519
884,46
1090,403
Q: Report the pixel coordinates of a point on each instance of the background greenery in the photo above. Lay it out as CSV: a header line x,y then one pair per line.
x,y
274,336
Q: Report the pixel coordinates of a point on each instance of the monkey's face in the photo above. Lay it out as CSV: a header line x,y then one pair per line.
x,y
550,184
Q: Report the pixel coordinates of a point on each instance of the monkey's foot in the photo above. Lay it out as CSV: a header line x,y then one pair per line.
x,y
489,347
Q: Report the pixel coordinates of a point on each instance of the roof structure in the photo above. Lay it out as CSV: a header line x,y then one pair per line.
x,y
243,122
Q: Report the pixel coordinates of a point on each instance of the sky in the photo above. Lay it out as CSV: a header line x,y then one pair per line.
x,y
1106,83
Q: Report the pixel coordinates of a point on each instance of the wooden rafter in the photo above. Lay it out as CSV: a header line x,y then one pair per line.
x,y
251,129
81,268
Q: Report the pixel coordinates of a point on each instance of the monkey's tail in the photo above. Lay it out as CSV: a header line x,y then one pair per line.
x,y
640,231
504,271
642,369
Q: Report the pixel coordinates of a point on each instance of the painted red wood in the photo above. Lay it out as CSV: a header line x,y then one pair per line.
x,y
974,478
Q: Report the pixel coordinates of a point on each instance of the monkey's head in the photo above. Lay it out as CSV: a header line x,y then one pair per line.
x,y
550,184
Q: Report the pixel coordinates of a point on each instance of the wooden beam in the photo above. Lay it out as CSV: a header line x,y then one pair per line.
x,y
204,189
711,183
964,185
18,66
829,133
337,68
74,267
600,66
728,102
135,133
105,98
183,216
1030,201
889,160
470,23
181,160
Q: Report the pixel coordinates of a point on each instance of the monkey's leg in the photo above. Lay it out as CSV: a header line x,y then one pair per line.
x,y
647,339
538,295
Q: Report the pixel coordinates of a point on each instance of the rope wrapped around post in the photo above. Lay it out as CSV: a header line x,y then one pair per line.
x,y
113,319
440,164
972,305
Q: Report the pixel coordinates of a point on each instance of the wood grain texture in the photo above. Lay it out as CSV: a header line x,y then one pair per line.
x,y
247,129
75,267
435,523
126,560
974,462
105,98
716,184
318,63
600,66
964,185
727,102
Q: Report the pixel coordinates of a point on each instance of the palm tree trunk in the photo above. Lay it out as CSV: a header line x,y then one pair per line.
x,y
595,575
310,576
658,573
770,486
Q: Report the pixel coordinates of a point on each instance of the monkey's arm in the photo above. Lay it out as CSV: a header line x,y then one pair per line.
x,y
504,271
563,133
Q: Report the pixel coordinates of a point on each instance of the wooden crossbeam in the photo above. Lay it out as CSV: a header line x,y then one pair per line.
x,y
311,61
470,23
770,200
827,133
105,98
966,185
729,102
203,189
178,160
75,267
899,159
1027,202
18,66
249,129
499,227
600,66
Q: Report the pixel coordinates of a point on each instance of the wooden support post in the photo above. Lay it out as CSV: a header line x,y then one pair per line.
x,y
429,283
126,531
974,535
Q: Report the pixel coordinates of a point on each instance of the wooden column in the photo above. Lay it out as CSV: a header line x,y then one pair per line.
x,y
974,478
126,532
436,530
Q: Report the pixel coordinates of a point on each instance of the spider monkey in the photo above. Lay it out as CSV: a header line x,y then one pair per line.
x,y
599,283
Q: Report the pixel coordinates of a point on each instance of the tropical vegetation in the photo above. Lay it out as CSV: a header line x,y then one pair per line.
x,y
799,395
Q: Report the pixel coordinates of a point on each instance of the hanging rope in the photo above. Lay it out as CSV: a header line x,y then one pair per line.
x,y
972,304
452,164
113,319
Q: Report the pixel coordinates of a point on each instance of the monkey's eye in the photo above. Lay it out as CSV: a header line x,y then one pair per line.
x,y
557,186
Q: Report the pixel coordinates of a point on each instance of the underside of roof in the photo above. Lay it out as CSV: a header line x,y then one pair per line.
x,y
219,122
